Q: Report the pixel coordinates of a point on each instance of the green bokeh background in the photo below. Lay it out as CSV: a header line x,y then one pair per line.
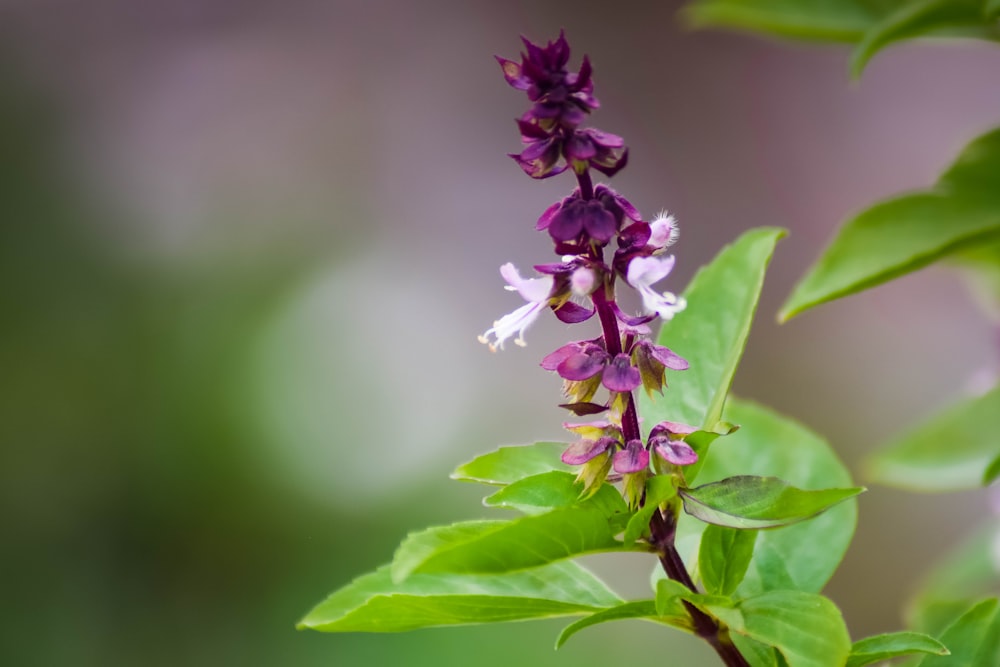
x,y
244,253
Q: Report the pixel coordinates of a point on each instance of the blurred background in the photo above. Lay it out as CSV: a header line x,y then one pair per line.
x,y
246,249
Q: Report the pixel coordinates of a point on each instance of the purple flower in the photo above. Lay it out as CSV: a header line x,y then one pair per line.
x,y
632,463
652,361
595,430
584,450
595,457
592,148
634,458
582,361
620,375
574,220
573,276
559,98
667,440
560,102
643,273
536,291
579,364
541,156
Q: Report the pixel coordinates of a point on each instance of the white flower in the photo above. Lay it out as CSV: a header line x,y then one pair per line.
x,y
643,273
582,281
533,290
663,231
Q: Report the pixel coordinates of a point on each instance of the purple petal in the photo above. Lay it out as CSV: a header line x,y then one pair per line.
x,y
560,51
535,53
546,109
677,452
582,366
638,330
637,321
564,248
631,211
573,313
584,409
572,115
553,359
554,269
667,357
605,139
632,459
620,375
599,222
579,147
635,235
537,168
613,168
584,450
531,131
568,222
538,149
512,72
546,218
581,80
671,428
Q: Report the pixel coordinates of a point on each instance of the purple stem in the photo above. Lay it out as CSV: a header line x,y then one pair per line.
x,y
662,528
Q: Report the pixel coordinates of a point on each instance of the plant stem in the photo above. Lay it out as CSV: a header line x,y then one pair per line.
x,y
662,532
662,529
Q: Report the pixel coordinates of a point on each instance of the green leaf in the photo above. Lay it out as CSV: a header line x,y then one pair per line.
x,y
723,558
974,639
980,268
509,464
640,609
659,489
965,574
712,332
904,234
948,453
991,9
802,556
549,490
916,19
807,629
481,547
834,20
748,501
755,653
670,595
892,645
992,471
373,603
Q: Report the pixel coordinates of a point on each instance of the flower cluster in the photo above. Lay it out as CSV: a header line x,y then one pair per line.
x,y
560,102
581,226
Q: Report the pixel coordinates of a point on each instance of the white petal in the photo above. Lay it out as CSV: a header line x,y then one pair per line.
x,y
646,271
530,289
663,231
511,323
582,281
665,305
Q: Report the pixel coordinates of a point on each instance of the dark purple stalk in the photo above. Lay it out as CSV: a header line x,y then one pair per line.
x,y
586,185
662,531
662,528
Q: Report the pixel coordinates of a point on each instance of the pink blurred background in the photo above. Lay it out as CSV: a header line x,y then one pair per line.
x,y
308,203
